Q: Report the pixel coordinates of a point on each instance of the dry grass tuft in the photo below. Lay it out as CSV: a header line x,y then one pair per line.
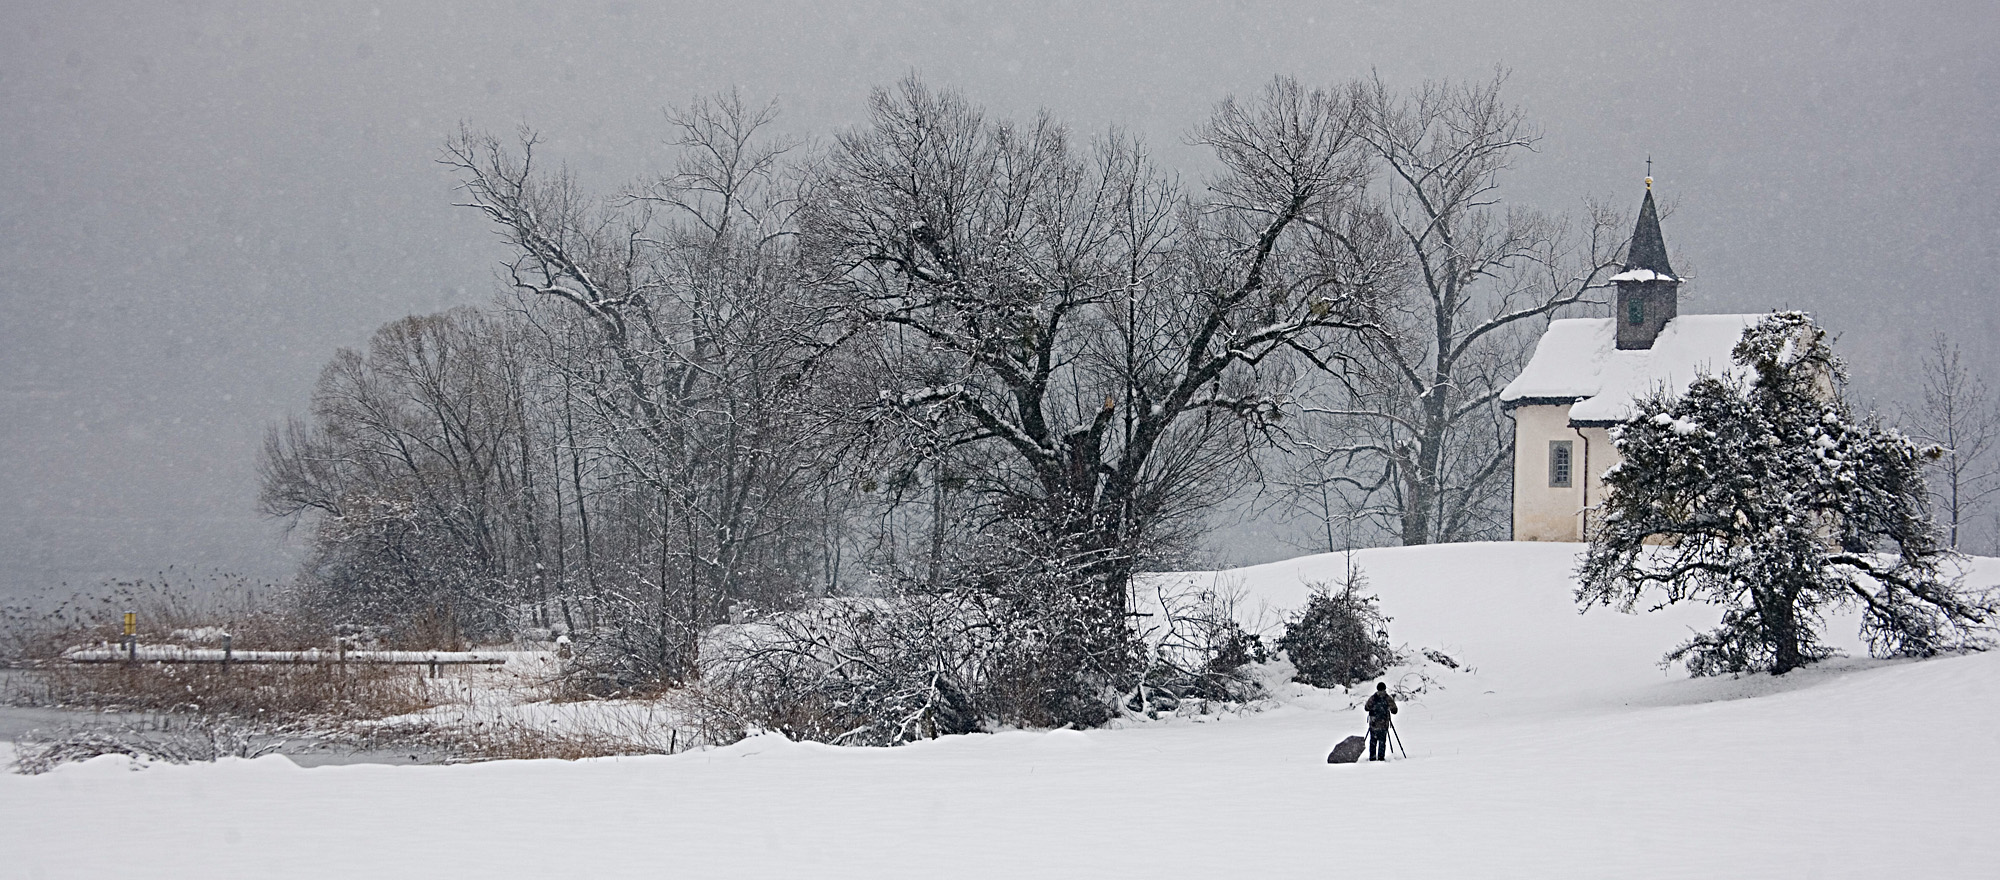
x,y
524,742
631,727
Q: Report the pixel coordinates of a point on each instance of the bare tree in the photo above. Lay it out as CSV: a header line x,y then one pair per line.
x,y
1108,340
691,386
417,464
1959,416
1411,435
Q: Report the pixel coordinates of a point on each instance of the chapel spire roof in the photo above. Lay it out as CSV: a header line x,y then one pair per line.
x,y
1649,249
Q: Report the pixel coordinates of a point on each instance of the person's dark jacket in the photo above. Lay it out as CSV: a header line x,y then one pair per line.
x,y
1380,707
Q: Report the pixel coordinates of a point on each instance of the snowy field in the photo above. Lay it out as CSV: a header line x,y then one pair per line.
x,y
1560,750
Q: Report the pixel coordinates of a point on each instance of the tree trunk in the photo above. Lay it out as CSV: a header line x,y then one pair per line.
x,y
1778,608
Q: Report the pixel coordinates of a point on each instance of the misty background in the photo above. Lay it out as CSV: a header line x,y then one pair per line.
x,y
200,202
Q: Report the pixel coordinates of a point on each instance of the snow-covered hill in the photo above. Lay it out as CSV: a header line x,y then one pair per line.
x,y
1559,750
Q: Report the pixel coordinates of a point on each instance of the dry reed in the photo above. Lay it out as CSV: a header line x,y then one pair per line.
x,y
271,694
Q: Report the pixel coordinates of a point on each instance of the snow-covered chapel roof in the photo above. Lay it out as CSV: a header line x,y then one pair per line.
x,y
1578,361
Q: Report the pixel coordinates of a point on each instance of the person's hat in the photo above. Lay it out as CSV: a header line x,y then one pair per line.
x,y
1381,685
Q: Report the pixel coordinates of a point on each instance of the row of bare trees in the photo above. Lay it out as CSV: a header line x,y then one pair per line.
x,y
634,445
940,353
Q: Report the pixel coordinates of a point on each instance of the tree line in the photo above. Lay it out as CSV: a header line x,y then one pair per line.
x,y
982,361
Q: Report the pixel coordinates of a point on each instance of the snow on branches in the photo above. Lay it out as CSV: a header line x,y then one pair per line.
x,y
1766,495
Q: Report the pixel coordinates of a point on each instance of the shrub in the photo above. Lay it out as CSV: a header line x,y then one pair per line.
x,y
1340,638
853,671
1199,651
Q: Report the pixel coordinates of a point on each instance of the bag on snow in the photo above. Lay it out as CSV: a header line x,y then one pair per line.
x,y
1349,751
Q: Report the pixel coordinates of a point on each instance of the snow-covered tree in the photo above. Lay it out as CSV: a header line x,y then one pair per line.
x,y
1760,491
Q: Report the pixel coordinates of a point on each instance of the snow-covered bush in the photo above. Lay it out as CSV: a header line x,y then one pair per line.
x,y
1025,637
889,670
1060,655
852,671
1197,648
1340,638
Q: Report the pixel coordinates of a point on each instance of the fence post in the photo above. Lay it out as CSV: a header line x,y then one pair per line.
x,y
227,653
131,637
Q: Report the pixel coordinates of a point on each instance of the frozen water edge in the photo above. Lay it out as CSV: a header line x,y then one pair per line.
x,y
18,723
480,712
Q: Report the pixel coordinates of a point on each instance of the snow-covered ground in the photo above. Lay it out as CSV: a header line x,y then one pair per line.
x,y
514,697
1561,751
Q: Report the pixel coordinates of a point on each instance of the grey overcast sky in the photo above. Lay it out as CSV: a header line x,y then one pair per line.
x,y
201,201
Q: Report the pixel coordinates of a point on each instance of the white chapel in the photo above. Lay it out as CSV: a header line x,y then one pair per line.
x,y
1587,373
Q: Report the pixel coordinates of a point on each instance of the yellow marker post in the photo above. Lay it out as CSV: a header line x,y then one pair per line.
x,y
131,623
131,636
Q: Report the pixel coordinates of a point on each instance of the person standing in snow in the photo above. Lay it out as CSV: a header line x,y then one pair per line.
x,y
1380,707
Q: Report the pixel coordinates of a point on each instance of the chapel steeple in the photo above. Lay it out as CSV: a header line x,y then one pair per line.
x,y
1648,289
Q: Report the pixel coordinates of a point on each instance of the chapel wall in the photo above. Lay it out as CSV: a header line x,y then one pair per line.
x,y
1543,512
1556,513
